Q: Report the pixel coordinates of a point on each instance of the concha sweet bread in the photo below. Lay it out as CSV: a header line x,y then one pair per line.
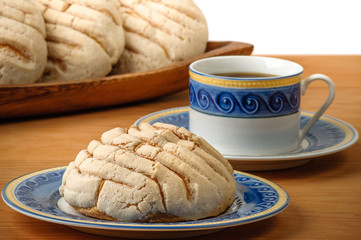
x,y
159,33
150,173
85,38
23,51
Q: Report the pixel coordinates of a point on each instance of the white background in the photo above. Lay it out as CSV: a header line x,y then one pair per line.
x,y
287,26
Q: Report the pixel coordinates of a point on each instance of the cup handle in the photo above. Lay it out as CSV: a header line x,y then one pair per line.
x,y
326,104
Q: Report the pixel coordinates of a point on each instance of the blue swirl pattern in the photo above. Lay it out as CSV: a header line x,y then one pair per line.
x,y
250,102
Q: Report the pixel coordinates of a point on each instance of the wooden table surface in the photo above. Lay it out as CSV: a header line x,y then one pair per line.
x,y
324,194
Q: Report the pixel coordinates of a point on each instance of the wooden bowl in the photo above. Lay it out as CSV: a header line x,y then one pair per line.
x,y
50,98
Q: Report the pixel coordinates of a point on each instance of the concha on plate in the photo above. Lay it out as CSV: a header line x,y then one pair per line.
x,y
150,173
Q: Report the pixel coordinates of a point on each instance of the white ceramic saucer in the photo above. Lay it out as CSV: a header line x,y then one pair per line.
x,y
327,136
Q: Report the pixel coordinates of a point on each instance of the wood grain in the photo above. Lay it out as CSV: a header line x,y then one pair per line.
x,y
324,194
50,98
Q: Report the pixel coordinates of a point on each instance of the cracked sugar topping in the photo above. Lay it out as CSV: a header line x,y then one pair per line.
x,y
151,173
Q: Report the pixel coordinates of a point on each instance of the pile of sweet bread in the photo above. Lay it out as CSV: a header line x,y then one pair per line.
x,y
69,40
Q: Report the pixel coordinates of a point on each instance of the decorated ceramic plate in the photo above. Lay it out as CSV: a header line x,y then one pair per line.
x,y
327,136
36,195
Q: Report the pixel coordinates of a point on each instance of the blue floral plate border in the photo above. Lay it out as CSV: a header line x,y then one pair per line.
x,y
36,195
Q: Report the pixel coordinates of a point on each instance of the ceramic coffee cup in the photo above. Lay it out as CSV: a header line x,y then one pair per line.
x,y
249,105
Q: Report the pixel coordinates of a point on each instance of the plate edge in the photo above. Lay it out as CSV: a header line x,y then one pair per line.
x,y
277,208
